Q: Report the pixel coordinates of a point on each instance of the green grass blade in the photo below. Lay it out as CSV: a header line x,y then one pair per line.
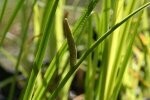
x,y
76,31
105,18
119,47
70,73
3,10
20,53
89,72
40,53
124,63
81,22
18,6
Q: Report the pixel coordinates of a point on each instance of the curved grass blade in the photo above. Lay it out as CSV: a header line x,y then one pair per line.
x,y
76,31
70,73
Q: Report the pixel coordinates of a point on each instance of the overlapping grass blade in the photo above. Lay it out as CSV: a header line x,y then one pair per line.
x,y
25,32
70,73
41,49
76,32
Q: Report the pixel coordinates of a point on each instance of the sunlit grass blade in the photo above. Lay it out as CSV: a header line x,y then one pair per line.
x,y
89,72
72,49
41,51
70,73
105,24
125,61
118,45
76,32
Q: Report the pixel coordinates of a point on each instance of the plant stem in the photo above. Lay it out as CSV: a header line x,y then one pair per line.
x,y
70,73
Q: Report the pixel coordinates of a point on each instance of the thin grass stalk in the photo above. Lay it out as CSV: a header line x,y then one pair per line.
x,y
40,53
124,30
47,12
94,70
124,63
6,82
36,21
20,53
95,44
3,10
76,31
103,74
119,47
65,92
58,24
16,10
105,17
89,72
100,48
39,92
94,63
115,38
114,5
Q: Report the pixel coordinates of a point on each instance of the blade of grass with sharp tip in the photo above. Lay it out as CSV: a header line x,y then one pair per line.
x,y
70,73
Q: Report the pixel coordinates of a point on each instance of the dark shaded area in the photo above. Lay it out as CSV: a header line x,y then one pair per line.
x,y
77,85
4,91
95,36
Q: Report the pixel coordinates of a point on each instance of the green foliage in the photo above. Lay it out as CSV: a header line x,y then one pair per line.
x,y
100,43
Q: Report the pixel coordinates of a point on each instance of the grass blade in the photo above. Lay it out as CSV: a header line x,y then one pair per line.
x,y
70,73
40,53
18,6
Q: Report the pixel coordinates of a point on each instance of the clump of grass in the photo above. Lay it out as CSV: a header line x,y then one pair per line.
x,y
107,36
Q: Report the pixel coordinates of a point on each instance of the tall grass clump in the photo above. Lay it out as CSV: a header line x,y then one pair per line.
x,y
98,50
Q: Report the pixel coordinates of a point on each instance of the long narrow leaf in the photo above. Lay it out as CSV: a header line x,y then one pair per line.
x,y
62,83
